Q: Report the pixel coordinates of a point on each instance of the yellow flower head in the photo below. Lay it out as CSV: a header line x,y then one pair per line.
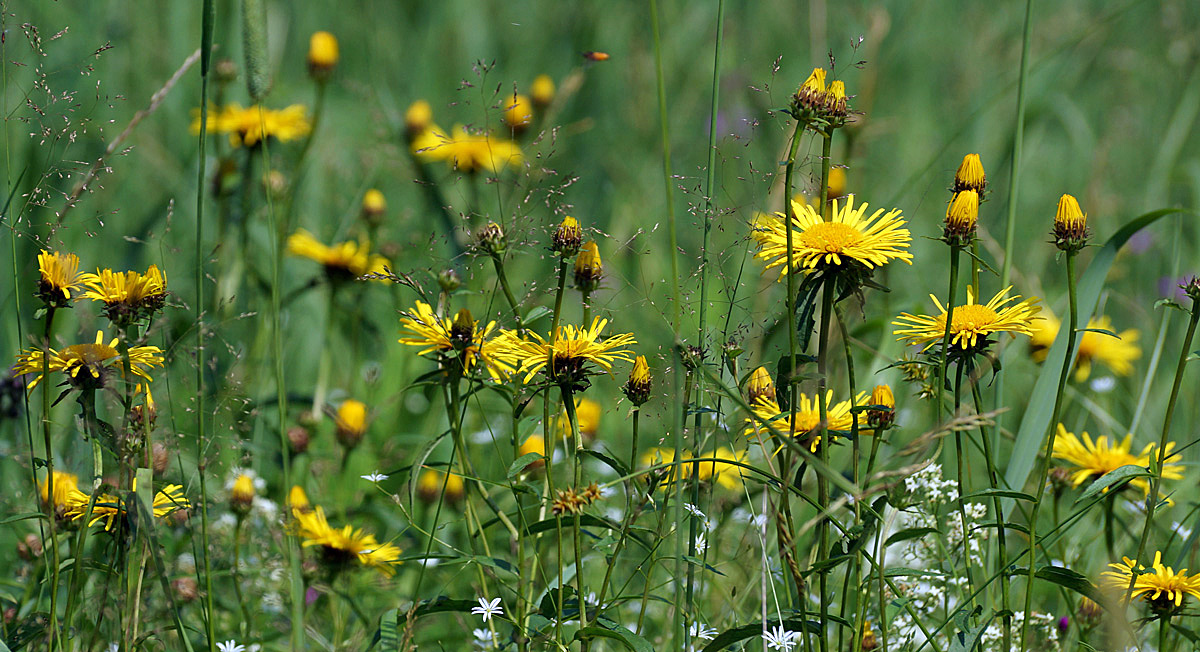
x,y
322,54
89,365
588,412
568,353
810,96
1070,225
835,99
431,482
418,117
518,112
961,215
241,496
1091,459
761,386
110,508
1116,353
848,238
837,183
567,237
374,205
438,335
725,474
886,413
466,151
339,547
807,423
351,422
972,324
66,492
298,500
1160,586
970,175
541,91
343,261
589,269
59,277
637,388
127,296
247,127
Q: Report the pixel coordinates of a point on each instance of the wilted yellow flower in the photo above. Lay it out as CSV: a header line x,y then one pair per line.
x,y
1093,459
418,117
567,357
1161,586
466,151
247,127
835,99
637,388
810,97
848,238
438,335
341,546
322,54
961,216
1070,225
973,323
343,261
1117,353
351,422
59,277
127,296
431,482
89,365
518,112
541,91
970,175
589,270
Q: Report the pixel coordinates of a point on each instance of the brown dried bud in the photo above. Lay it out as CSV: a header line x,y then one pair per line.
x,y
491,238
185,589
159,458
298,439
226,71
29,548
449,281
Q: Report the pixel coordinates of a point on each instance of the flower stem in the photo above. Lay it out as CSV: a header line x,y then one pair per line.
x,y
994,483
941,378
1160,458
47,442
1041,487
508,295
823,450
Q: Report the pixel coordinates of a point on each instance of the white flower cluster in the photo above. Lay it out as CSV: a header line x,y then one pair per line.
x,y
1043,632
929,484
976,513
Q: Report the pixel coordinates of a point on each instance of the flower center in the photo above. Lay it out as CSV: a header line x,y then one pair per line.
x,y
830,237
973,318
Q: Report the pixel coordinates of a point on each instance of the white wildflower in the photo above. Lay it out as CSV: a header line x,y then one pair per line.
x,y
487,609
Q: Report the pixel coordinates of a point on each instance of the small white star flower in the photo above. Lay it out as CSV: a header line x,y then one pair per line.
x,y
693,510
230,646
702,632
488,609
701,544
780,639
374,477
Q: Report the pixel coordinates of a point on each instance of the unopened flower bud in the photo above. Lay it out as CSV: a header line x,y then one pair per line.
x,y
449,281
159,458
1090,613
835,101
589,269
490,238
970,175
241,496
374,205
541,91
462,331
351,423
869,642
883,411
809,99
322,55
298,439
637,388
518,112
1070,225
567,237
298,500
418,117
1191,287
961,216
29,548
761,387
185,589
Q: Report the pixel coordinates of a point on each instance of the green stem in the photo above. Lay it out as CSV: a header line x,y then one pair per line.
x,y
960,454
47,442
236,576
629,516
568,399
326,358
1160,458
823,450
953,292
994,483
508,295
1073,326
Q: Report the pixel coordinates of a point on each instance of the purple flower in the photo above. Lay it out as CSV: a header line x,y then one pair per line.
x,y
1064,623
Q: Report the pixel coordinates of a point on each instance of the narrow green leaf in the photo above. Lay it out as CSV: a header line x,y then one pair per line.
x,y
909,534
612,462
1001,493
518,465
731,636
21,517
1068,579
1119,475
696,561
1031,434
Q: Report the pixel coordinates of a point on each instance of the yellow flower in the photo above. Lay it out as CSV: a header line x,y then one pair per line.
x,y
374,205
725,474
589,270
848,238
60,275
466,151
322,53
1117,353
298,500
810,96
837,183
588,412
439,335
533,444
431,482
127,296
835,99
351,422
637,388
241,496
1161,586
807,421
418,117
1070,225
247,127
886,413
541,91
567,355
970,175
760,386
340,546
961,215
973,323
518,112
661,455
1092,459
567,237
97,359
109,508
66,492
342,261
